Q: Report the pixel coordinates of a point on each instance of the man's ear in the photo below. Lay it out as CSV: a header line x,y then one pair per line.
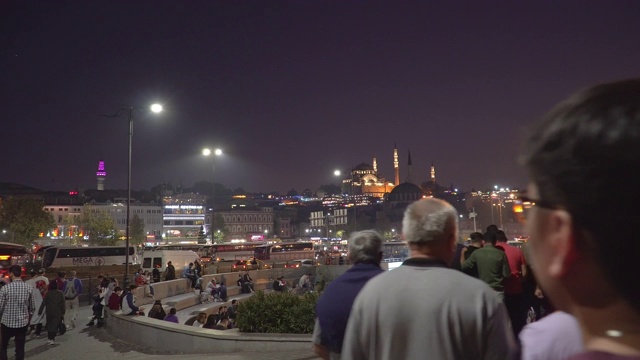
x,y
562,241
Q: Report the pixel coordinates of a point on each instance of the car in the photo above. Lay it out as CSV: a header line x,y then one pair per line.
x,y
301,263
250,264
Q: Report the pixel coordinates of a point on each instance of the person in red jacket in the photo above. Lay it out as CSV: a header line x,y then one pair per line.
x,y
114,299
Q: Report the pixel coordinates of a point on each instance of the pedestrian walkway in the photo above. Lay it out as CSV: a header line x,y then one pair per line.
x,y
96,344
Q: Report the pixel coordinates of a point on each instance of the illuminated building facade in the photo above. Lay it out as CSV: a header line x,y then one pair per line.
x,y
249,224
183,216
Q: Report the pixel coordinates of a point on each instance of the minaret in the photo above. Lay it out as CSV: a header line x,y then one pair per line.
x,y
409,166
396,169
375,165
433,173
101,175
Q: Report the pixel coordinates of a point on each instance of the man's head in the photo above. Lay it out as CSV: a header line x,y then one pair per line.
x,y
582,227
61,274
490,237
132,287
15,271
476,238
365,246
492,228
501,236
72,273
169,263
117,290
430,227
41,271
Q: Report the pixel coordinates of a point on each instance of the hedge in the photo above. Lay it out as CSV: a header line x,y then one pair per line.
x,y
283,313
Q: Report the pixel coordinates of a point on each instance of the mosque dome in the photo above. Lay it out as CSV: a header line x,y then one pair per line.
x,y
406,192
363,167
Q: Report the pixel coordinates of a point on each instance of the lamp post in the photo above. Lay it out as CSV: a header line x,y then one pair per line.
x,y
209,152
156,108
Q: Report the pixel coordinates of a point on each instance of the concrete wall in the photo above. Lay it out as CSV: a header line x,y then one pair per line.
x,y
167,336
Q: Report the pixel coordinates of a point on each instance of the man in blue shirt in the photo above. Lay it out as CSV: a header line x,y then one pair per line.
x,y
334,306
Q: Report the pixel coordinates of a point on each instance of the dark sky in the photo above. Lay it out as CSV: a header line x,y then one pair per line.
x,y
292,90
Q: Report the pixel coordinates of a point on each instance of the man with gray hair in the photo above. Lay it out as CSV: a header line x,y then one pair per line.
x,y
333,307
445,314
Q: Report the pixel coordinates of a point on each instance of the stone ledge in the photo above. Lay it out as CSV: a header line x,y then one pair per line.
x,y
178,338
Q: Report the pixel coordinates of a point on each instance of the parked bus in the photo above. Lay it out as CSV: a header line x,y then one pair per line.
x,y
285,251
13,254
192,247
229,251
74,256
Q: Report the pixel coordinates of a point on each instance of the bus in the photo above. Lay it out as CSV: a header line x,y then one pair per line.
x,y
229,251
192,247
285,251
74,256
216,252
13,254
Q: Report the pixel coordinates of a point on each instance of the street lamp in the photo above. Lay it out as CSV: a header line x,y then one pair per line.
x,y
209,152
155,108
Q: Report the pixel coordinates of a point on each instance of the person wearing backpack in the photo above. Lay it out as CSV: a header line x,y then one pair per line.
x,y
71,289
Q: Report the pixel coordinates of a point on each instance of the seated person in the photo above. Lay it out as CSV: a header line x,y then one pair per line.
x,y
172,317
211,322
115,299
247,282
157,311
223,324
129,306
276,285
222,292
200,320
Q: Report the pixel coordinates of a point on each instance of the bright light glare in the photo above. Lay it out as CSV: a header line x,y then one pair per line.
x,y
218,152
206,152
337,173
156,108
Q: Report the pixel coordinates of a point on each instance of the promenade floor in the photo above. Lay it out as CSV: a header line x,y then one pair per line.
x,y
96,344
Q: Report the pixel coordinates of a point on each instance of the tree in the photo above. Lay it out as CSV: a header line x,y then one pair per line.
x,y
219,232
137,235
71,234
25,219
98,226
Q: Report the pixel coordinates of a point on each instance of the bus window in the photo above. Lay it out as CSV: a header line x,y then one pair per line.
x,y
157,262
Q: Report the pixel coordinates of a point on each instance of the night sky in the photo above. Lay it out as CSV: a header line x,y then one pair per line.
x,y
292,90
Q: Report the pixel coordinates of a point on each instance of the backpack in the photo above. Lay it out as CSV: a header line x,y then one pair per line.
x,y
70,290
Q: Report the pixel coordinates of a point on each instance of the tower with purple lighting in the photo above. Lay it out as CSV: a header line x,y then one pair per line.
x,y
101,175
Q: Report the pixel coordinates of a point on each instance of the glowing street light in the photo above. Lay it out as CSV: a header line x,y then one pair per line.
x,y
155,108
209,152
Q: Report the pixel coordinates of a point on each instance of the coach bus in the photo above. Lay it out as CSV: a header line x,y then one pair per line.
x,y
285,251
74,256
13,254
229,251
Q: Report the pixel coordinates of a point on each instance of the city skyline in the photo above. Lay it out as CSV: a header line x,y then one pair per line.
x,y
293,90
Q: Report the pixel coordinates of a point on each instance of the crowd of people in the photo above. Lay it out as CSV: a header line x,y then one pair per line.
x,y
571,294
459,302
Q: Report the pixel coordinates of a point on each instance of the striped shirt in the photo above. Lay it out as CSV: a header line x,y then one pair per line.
x,y
16,304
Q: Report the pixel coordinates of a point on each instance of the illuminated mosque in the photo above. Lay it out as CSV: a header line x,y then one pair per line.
x,y
365,180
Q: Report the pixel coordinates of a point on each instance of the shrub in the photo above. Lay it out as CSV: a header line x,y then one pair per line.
x,y
283,313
